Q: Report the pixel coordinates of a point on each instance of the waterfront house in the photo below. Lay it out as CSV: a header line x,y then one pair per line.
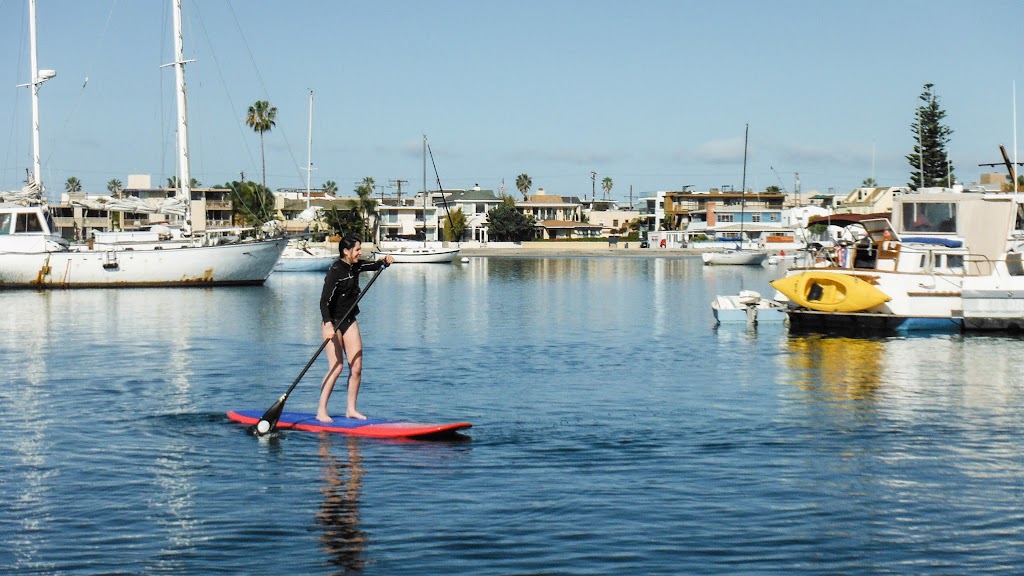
x,y
475,203
722,213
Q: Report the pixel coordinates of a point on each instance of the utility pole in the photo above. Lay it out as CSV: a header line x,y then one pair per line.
x,y
593,183
395,183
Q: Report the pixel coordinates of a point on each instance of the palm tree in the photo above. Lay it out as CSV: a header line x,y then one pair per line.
x,y
261,118
172,182
114,187
869,183
524,183
330,187
606,185
73,185
367,206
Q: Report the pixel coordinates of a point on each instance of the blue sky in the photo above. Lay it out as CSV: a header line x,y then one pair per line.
x,y
653,94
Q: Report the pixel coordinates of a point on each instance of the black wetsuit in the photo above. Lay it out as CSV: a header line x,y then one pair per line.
x,y
341,289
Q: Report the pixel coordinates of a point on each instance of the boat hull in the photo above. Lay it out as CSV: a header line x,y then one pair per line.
x,y
420,255
872,323
734,309
304,264
734,258
246,263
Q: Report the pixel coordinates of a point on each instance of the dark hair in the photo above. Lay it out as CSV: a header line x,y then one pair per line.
x,y
347,243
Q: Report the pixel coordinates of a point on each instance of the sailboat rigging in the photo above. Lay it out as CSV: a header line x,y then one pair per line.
x,y
424,254
299,256
33,254
739,256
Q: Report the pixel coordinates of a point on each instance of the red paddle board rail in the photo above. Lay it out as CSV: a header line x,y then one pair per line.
x,y
373,427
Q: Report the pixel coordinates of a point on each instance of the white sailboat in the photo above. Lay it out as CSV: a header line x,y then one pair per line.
x,y
422,254
739,256
34,255
299,256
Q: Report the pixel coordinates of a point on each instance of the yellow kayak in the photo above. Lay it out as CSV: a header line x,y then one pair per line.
x,y
830,292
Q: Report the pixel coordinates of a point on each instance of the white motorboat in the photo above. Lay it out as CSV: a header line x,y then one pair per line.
x,y
949,260
747,307
34,255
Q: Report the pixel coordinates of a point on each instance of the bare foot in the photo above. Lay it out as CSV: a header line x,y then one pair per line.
x,y
324,417
354,414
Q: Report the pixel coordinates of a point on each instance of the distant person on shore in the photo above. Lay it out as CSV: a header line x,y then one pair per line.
x,y
341,289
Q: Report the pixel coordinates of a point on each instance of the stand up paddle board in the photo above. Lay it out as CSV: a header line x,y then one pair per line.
x,y
372,427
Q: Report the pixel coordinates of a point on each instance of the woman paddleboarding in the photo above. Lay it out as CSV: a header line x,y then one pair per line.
x,y
341,289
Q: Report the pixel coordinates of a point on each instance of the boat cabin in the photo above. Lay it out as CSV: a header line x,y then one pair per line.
x,y
939,232
27,229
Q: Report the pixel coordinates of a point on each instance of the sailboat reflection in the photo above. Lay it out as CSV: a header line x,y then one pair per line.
x,y
339,514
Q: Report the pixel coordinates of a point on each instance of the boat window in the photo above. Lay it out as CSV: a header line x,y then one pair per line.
x,y
5,223
955,262
929,217
28,223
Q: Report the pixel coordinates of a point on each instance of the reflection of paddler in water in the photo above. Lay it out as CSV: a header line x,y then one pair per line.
x,y
339,513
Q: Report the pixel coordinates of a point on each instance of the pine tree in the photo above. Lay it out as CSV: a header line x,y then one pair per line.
x,y
930,139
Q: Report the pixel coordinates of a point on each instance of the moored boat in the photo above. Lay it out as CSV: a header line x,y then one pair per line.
x,y
34,255
734,258
747,307
948,260
420,255
299,257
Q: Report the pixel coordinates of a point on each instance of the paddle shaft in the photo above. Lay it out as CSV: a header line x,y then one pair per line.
x,y
345,316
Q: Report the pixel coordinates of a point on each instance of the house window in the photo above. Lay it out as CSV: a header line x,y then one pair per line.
x,y
725,218
773,217
755,217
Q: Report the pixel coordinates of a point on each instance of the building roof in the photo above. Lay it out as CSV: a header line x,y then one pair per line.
x,y
473,196
546,199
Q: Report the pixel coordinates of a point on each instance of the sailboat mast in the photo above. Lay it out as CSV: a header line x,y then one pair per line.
x,y
424,190
309,149
743,185
184,176
36,81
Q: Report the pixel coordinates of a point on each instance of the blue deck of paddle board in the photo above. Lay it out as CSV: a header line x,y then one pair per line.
x,y
308,418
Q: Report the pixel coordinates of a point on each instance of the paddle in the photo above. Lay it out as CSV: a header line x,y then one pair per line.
x,y
268,421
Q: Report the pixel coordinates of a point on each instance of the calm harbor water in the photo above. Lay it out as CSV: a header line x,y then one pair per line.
x,y
616,430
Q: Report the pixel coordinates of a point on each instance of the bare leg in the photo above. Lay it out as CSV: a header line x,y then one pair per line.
x,y
334,369
353,344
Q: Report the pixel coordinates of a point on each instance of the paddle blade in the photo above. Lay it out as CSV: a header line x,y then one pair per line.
x,y
268,422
